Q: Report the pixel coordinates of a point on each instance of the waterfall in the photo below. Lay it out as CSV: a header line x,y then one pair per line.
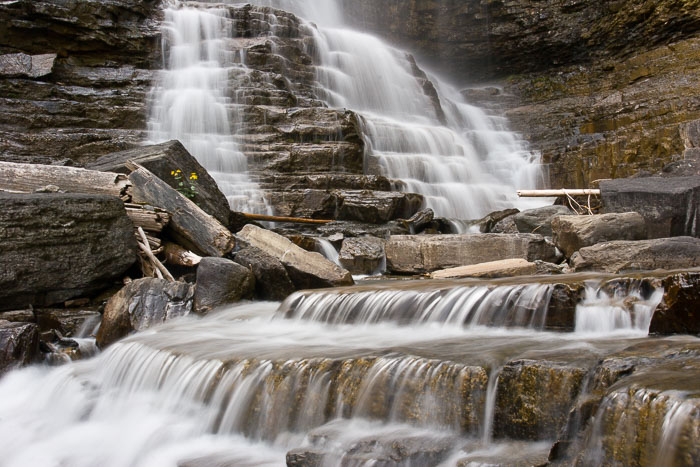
x,y
192,100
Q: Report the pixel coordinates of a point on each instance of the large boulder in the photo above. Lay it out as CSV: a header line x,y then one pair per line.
x,y
376,207
538,221
571,233
19,344
678,312
161,160
271,279
305,268
671,208
418,254
362,255
59,246
622,256
221,281
141,304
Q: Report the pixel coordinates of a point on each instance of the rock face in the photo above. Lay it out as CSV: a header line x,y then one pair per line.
x,y
678,311
26,66
670,208
537,221
271,279
417,254
141,304
306,269
621,256
19,345
162,160
362,255
571,233
221,281
59,246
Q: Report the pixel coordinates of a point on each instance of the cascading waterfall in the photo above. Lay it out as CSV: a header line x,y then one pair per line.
x,y
192,100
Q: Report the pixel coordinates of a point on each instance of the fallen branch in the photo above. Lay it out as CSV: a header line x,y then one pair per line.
x,y
175,254
557,193
147,250
293,220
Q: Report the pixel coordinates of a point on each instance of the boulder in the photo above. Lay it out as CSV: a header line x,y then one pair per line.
x,y
69,322
417,254
670,208
141,304
221,281
18,316
571,233
271,279
19,345
502,268
21,65
678,312
362,255
306,269
621,255
59,246
161,160
376,207
537,220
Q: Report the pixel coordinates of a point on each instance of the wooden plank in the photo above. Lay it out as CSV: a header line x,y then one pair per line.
x,y
293,220
27,178
557,193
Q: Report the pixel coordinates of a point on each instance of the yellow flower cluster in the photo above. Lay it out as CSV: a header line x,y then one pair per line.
x,y
175,172
193,176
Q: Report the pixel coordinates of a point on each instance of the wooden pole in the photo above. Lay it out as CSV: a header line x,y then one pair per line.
x,y
556,193
294,220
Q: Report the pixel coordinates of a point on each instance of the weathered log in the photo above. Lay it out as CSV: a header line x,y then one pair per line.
x,y
190,226
175,254
293,220
148,218
556,193
26,178
143,244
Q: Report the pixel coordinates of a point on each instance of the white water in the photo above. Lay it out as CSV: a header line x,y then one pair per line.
x,y
327,249
192,101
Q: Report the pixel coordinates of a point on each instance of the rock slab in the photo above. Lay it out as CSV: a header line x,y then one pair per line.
x,y
221,281
362,255
306,269
571,233
59,246
19,344
271,279
141,304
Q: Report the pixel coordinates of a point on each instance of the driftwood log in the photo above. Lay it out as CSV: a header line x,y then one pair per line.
x,y
27,178
148,218
175,254
556,193
161,271
292,220
189,225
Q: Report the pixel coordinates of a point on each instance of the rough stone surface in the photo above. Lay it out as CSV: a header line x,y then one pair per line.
x,y
69,322
306,269
362,255
621,256
141,304
19,345
678,312
161,160
502,268
59,246
271,279
670,207
221,281
417,254
538,221
571,233
26,66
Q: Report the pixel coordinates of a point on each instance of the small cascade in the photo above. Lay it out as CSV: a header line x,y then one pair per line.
x,y
507,306
193,102
627,310
327,249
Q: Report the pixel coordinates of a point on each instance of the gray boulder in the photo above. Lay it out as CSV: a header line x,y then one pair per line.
x,y
271,279
621,256
362,255
670,207
59,246
141,304
538,221
571,233
161,160
221,281
19,345
418,254
306,269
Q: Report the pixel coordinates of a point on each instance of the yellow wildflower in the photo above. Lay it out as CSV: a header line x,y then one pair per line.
x,y
193,176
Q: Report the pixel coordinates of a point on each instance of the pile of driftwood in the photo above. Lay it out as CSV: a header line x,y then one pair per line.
x,y
166,224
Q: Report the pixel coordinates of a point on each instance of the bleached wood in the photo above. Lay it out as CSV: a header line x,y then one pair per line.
x,y
143,244
557,193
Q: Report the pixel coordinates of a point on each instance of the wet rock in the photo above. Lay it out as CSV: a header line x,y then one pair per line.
x,y
69,322
670,209
221,281
161,160
362,255
678,312
18,316
19,344
60,246
306,269
533,399
571,233
509,453
622,256
502,268
418,254
360,229
141,304
538,221
377,207
21,65
561,309
271,279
